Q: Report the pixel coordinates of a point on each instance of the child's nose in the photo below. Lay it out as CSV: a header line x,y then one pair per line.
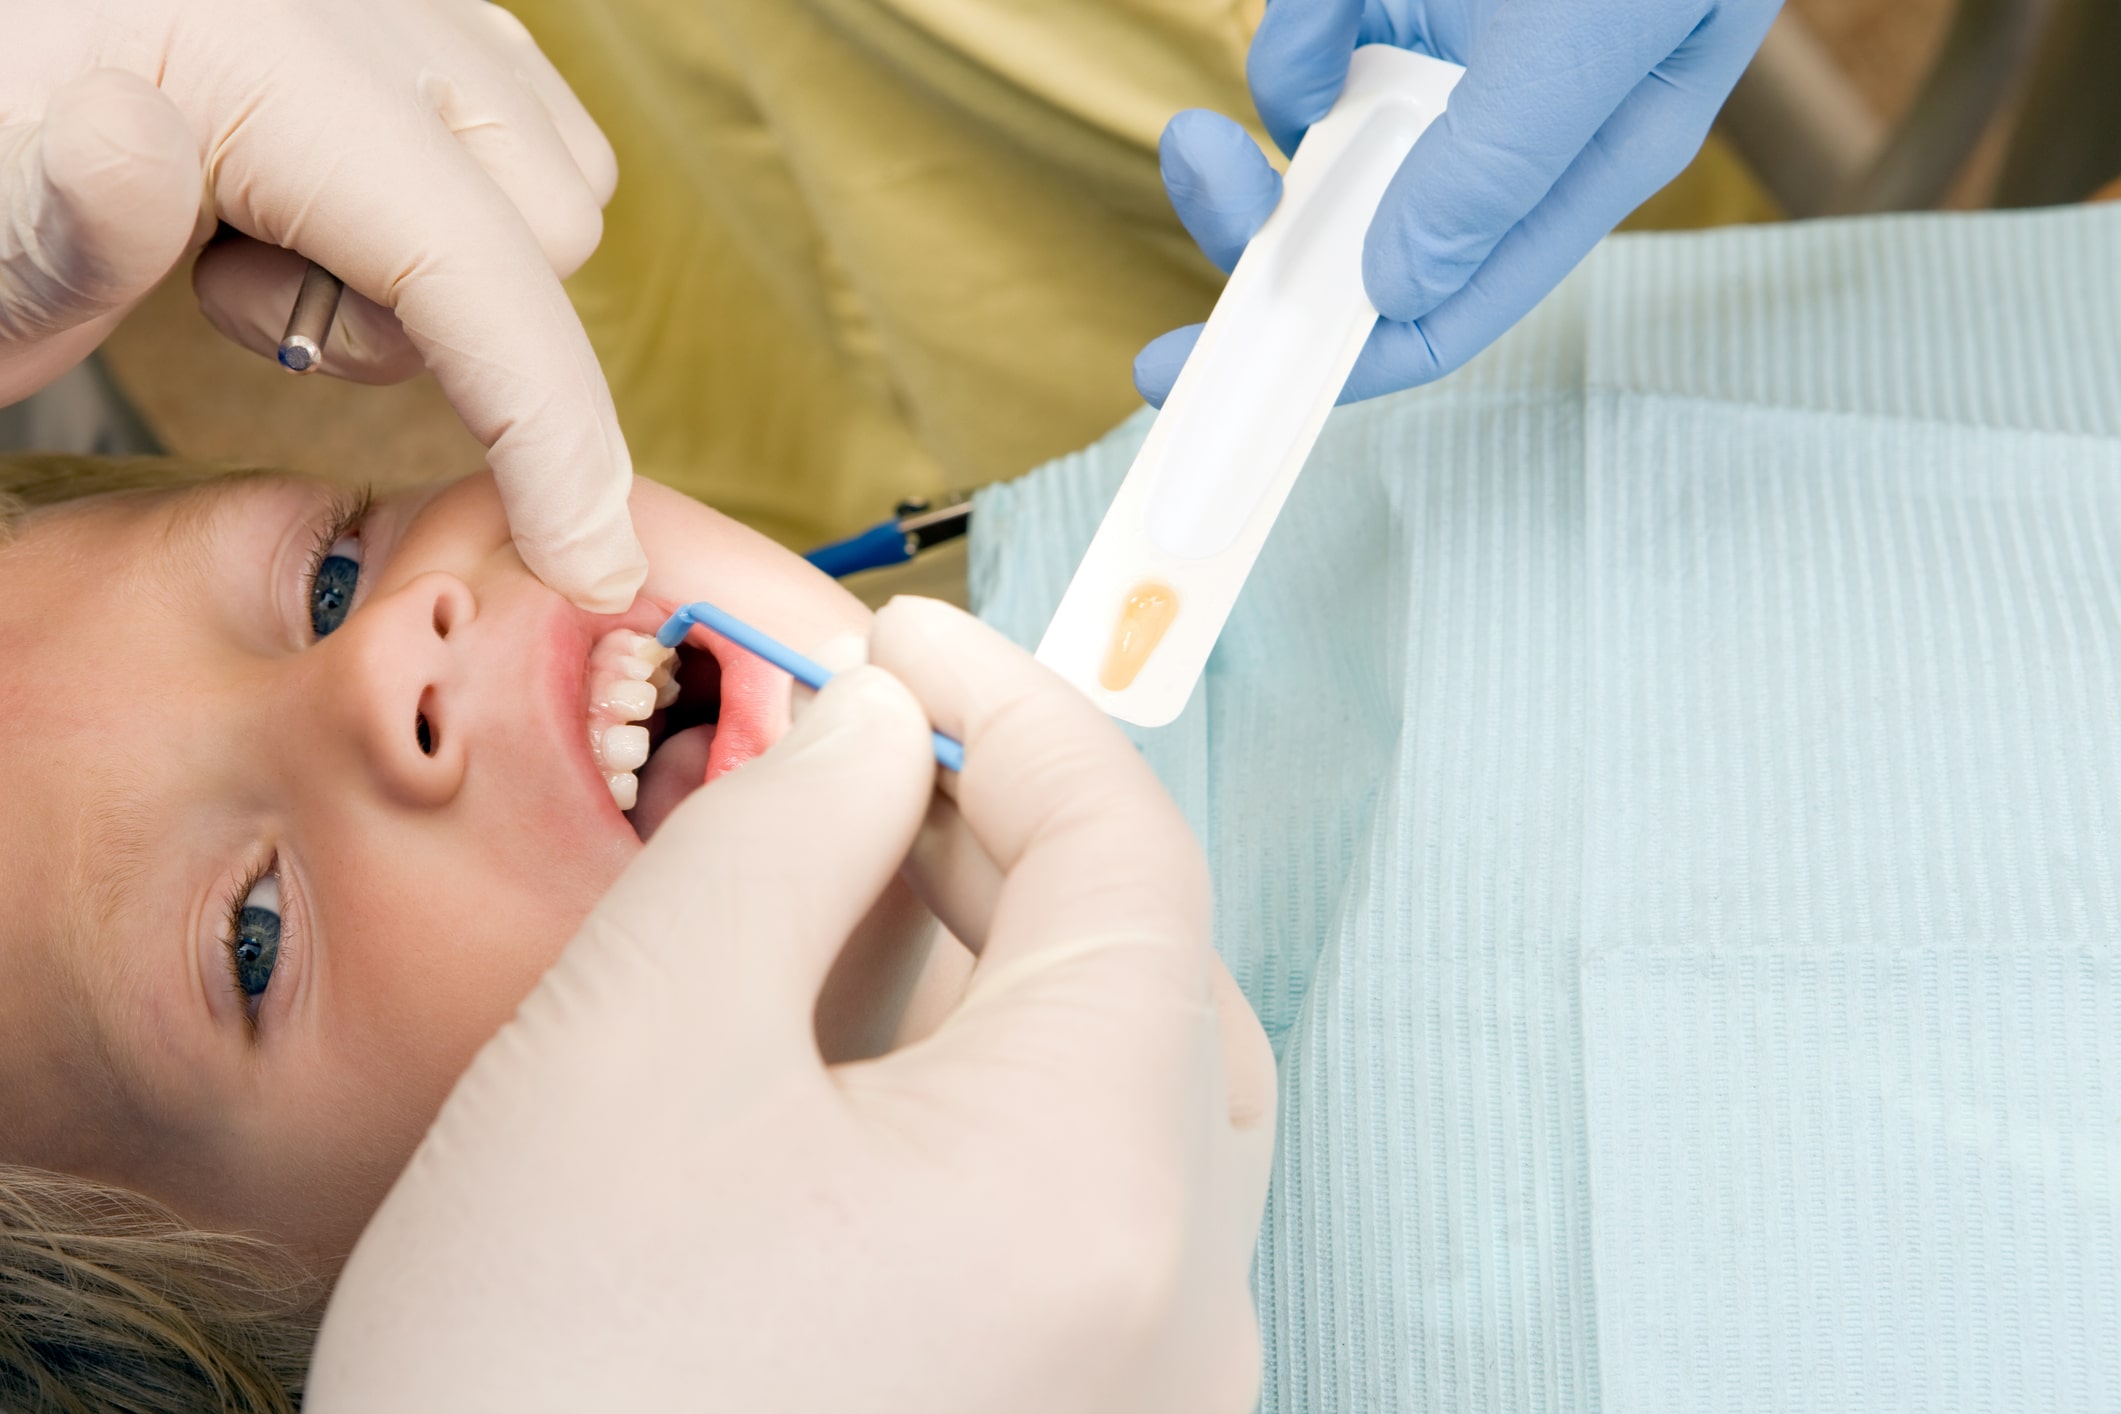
x,y
402,681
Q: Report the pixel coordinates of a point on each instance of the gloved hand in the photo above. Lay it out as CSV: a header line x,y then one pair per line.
x,y
1570,114
423,151
648,1192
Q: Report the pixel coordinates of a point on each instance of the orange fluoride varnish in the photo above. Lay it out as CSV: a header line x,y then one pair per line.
x,y
1151,606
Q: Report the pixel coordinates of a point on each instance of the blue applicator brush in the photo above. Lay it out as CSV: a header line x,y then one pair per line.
x,y
804,670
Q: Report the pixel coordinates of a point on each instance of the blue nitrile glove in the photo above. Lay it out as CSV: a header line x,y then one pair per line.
x,y
1571,112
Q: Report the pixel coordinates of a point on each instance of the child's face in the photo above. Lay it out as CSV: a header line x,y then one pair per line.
x,y
408,801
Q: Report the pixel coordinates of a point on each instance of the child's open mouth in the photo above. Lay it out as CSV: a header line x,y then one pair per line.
x,y
654,725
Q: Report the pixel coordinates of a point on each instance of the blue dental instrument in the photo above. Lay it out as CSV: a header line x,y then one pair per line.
x,y
917,526
810,674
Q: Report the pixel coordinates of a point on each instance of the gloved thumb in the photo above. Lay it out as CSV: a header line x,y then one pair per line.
x,y
719,936
102,196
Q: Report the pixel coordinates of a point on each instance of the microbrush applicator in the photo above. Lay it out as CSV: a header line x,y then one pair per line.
x,y
810,673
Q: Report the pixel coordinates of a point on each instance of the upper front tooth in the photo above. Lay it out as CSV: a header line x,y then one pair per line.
x,y
630,700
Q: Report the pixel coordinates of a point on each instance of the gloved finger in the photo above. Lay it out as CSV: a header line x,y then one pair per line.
x,y
413,223
864,986
1057,774
1220,183
247,288
508,132
103,196
953,874
864,998
585,141
1542,79
1102,887
1649,138
960,885
946,868
837,654
1298,63
1156,366
736,910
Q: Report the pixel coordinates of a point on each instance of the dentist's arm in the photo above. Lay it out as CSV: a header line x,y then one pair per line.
x,y
1570,114
649,1192
422,150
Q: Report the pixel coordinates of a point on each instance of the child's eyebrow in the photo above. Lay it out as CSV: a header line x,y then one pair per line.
x,y
197,511
116,846
198,517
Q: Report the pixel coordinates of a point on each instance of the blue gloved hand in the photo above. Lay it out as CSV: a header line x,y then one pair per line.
x,y
1571,112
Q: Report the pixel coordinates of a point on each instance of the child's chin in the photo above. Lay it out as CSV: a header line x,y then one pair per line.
x,y
676,770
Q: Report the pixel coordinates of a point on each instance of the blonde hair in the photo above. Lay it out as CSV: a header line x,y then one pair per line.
x,y
109,1301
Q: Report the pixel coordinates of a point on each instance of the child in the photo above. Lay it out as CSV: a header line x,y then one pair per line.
x,y
276,878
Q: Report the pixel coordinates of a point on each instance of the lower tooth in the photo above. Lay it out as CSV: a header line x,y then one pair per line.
x,y
624,748
625,788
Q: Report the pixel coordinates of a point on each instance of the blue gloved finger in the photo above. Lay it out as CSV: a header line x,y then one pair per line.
x,y
1219,181
1156,366
1542,79
1649,138
1298,63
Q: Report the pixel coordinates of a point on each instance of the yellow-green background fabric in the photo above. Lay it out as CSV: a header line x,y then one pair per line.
x,y
869,248
863,249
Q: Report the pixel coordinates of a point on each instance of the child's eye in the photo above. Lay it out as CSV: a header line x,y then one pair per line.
x,y
335,563
254,936
331,584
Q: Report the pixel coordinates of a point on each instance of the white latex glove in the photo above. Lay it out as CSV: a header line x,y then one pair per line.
x,y
423,151
648,1192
